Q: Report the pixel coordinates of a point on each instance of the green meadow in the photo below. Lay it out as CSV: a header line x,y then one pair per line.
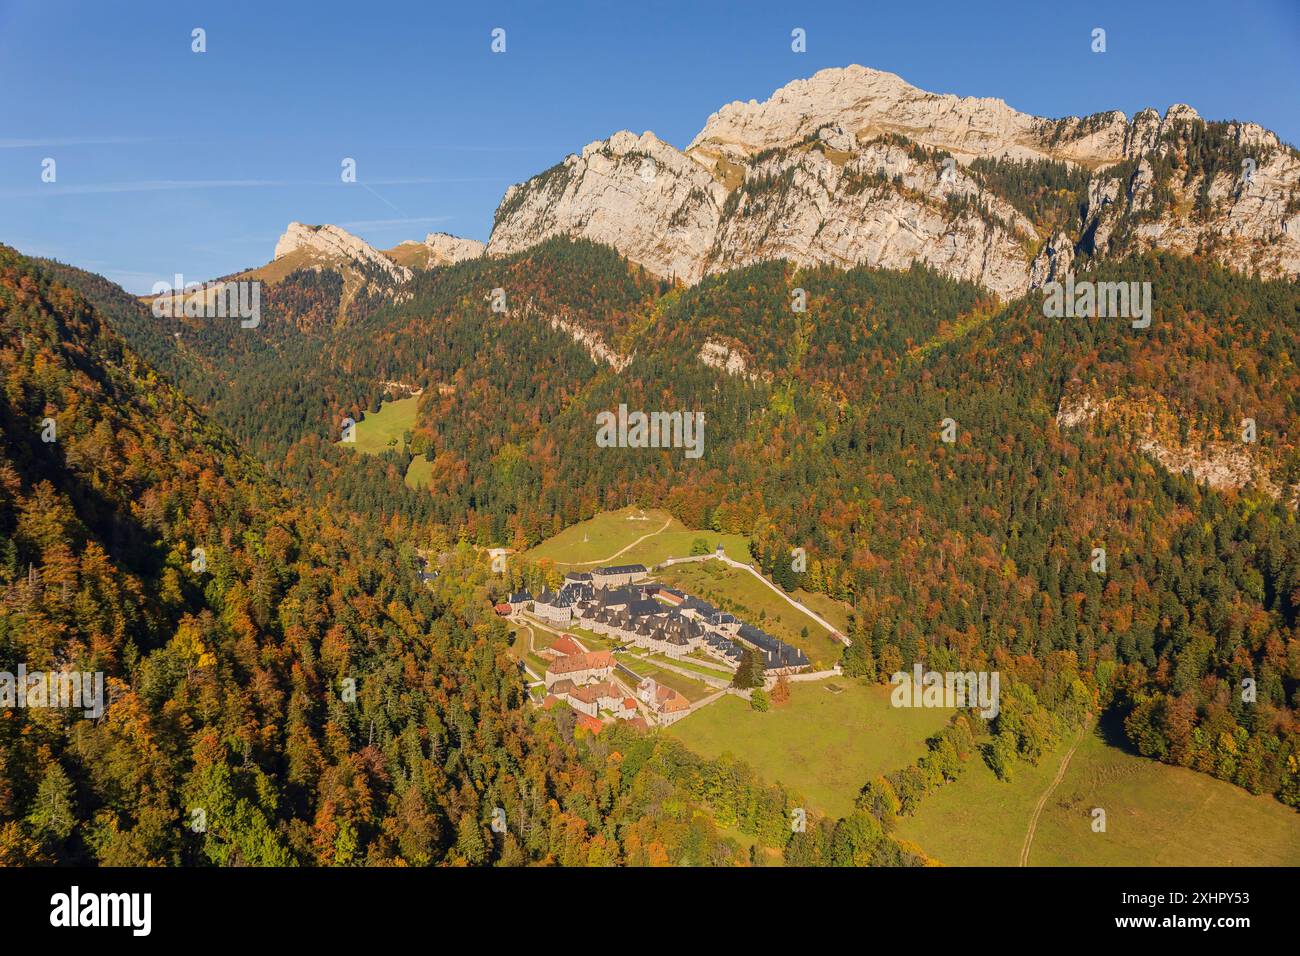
x,y
384,429
419,473
600,539
824,744
692,690
678,544
1155,815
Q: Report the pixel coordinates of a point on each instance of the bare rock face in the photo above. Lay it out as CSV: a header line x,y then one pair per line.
x,y
1053,261
592,341
881,207
1244,212
722,356
1152,423
446,249
337,246
856,167
868,102
635,193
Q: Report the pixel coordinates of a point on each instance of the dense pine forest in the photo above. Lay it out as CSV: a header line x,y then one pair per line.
x,y
976,554
299,696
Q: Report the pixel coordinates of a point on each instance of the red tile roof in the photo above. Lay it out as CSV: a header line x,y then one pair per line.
x,y
592,660
565,646
670,700
590,723
592,693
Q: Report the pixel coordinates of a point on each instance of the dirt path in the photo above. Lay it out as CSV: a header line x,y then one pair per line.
x,y
798,606
700,704
528,670
788,600
1042,801
577,564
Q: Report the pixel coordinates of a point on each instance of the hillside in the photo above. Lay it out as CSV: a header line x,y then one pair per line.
x,y
280,687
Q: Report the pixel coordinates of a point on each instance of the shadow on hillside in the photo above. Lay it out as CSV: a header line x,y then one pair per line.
x,y
129,545
1110,728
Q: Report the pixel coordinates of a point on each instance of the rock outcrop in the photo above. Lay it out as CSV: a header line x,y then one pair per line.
x,y
1154,427
1242,209
337,246
592,342
855,166
635,193
880,206
867,102
719,355
447,250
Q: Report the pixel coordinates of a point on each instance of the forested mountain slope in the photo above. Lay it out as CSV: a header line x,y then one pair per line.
x,y
231,734
825,435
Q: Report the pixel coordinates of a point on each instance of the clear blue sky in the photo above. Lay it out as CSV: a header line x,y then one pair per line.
x,y
171,161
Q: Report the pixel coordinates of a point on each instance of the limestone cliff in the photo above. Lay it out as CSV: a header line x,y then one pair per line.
x,y
855,166
330,245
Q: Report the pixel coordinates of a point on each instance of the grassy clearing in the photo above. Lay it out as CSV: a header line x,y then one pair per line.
x,y
745,596
978,820
823,744
384,429
589,639
765,855
1156,815
520,652
685,663
678,544
602,536
834,611
420,472
592,542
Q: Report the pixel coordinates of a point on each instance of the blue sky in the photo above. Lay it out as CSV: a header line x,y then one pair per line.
x,y
171,161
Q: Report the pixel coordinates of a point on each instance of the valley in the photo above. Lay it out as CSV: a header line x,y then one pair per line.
x,y
834,734
746,499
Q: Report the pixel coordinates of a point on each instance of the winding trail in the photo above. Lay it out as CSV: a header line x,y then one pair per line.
x,y
731,562
578,564
1042,801
788,600
537,678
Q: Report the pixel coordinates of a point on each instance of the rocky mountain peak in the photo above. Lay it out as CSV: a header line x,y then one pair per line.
x,y
336,245
636,193
446,249
867,102
856,166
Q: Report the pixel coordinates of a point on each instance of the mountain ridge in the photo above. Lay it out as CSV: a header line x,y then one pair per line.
x,y
856,167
